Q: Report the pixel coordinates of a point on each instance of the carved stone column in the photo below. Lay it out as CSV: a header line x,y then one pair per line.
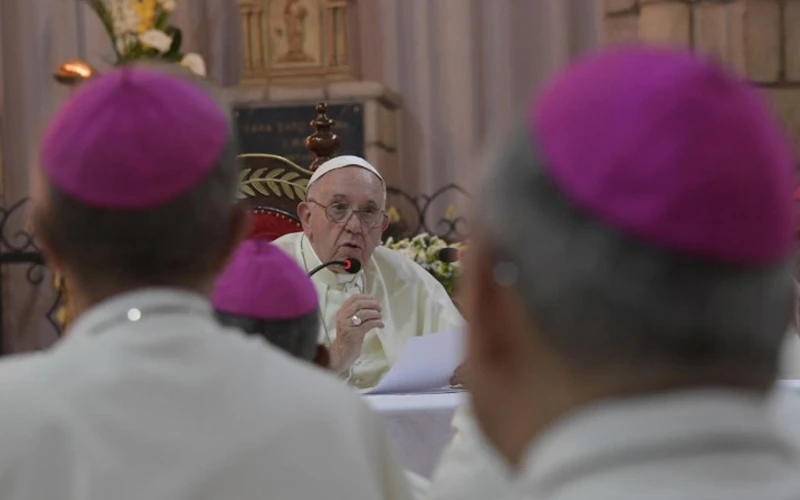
x,y
759,38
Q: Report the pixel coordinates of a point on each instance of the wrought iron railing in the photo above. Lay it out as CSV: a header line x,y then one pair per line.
x,y
18,248
412,214
422,213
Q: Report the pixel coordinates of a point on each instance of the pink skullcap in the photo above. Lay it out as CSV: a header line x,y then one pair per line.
x,y
263,282
132,139
669,148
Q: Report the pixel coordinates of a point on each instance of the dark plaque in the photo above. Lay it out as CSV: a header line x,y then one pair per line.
x,y
282,130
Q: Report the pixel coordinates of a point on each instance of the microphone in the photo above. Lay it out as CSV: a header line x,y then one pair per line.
x,y
350,266
449,255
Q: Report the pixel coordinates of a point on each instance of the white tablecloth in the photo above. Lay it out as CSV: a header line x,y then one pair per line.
x,y
419,425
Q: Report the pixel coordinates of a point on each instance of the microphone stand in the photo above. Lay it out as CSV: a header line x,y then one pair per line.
x,y
350,266
327,264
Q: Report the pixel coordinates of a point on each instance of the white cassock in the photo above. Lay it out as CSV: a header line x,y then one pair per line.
x,y
174,406
412,303
698,445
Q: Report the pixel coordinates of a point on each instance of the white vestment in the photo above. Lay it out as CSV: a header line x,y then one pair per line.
x,y
471,470
709,445
174,406
412,303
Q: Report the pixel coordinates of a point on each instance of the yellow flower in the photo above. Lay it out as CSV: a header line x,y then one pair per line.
x,y
146,11
393,214
451,213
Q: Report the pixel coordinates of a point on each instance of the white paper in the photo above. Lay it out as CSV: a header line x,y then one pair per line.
x,y
426,364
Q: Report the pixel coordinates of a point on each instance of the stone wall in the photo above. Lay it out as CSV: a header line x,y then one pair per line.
x,y
759,38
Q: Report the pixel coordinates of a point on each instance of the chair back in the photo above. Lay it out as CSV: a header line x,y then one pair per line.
x,y
272,187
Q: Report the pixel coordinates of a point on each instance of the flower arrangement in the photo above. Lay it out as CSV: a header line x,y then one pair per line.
x,y
140,30
425,249
63,315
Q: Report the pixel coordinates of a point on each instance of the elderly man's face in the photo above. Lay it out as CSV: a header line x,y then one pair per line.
x,y
343,216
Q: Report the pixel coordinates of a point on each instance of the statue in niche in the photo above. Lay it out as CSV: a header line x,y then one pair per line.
x,y
294,15
298,40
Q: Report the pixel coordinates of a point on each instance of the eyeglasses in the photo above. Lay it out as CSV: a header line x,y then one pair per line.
x,y
339,212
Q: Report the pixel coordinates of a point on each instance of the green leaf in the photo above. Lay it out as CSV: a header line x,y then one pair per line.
x,y
274,187
106,19
259,186
177,39
247,190
287,189
161,20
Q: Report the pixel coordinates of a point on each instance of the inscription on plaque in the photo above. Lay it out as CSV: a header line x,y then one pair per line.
x,y
282,130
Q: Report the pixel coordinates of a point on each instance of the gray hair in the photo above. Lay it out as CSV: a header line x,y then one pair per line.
x,y
296,336
158,246
606,301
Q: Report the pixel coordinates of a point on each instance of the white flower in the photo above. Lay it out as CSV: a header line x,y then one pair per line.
x,y
156,39
123,42
194,63
407,252
124,18
167,5
420,239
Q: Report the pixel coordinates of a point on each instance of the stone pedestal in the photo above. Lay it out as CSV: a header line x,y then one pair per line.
x,y
275,119
759,38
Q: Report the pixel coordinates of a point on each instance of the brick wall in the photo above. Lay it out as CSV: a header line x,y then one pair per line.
x,y
760,38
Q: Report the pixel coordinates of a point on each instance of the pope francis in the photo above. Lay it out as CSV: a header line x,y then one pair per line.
x,y
366,317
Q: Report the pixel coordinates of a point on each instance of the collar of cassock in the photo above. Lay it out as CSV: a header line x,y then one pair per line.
x,y
326,276
618,434
138,307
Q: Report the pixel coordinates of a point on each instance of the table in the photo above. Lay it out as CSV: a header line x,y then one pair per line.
x,y
419,425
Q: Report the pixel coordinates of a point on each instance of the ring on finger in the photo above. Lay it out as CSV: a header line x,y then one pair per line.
x,y
356,320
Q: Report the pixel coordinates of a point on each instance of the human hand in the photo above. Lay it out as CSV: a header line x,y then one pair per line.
x,y
358,315
460,375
